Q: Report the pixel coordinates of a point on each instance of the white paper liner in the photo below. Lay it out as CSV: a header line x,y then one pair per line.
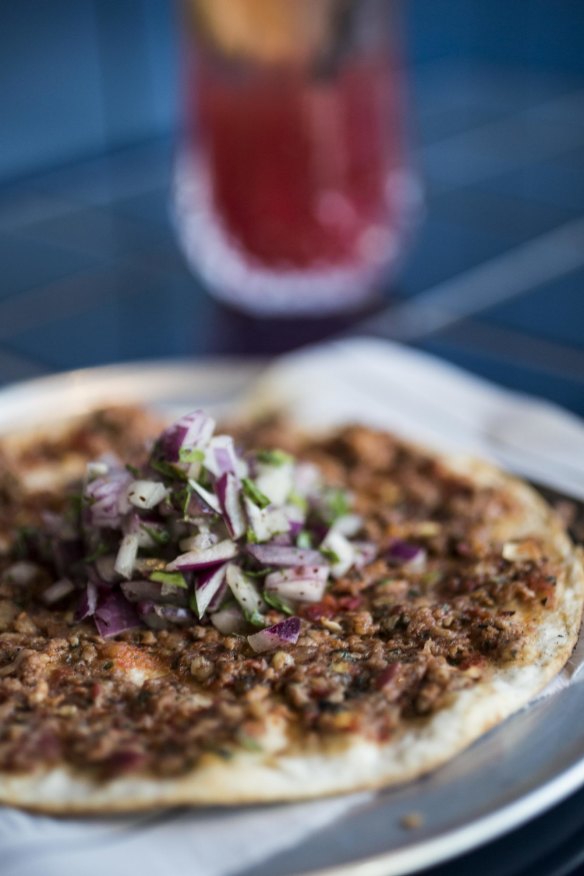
x,y
381,384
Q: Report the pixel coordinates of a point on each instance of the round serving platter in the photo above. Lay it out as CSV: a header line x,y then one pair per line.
x,y
514,773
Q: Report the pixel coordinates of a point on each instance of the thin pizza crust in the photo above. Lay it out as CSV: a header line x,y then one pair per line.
x,y
283,773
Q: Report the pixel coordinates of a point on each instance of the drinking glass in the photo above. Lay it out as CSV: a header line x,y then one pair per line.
x,y
293,189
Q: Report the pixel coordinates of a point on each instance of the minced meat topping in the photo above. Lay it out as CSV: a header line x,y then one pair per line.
x,y
441,603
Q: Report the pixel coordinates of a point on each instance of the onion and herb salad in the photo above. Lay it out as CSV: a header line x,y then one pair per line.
x,y
204,533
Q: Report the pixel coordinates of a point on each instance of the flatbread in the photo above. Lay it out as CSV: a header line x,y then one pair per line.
x,y
287,767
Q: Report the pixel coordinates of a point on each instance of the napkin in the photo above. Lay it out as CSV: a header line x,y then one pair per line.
x,y
375,382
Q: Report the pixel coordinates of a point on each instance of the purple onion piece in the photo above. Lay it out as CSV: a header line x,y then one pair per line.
x,y
229,495
194,430
115,615
106,499
281,555
284,633
403,553
203,559
210,588
87,602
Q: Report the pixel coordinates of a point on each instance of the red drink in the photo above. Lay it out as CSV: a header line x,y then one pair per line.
x,y
290,195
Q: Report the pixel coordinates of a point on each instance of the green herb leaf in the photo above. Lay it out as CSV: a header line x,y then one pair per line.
x,y
274,457
255,618
330,555
175,579
277,602
167,470
253,493
159,536
250,536
249,743
336,502
304,540
191,454
300,502
135,472
100,551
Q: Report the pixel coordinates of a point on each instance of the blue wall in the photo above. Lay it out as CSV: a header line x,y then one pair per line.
x,y
79,77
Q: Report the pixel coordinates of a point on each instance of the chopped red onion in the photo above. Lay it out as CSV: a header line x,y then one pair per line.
x,y
194,431
229,620
210,587
343,550
22,572
208,498
303,584
141,591
365,553
115,615
220,456
275,481
229,496
307,478
87,602
243,588
160,617
126,556
284,633
201,541
404,553
348,525
202,559
106,499
280,555
265,523
146,494
57,591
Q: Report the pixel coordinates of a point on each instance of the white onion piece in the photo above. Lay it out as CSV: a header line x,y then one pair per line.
x,y
22,572
344,550
201,559
284,633
307,478
348,525
207,588
275,481
146,494
126,556
285,555
229,496
266,522
365,553
201,541
243,589
57,591
229,620
105,567
208,498
302,584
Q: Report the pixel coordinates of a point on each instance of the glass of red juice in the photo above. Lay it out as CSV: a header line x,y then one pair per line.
x,y
293,189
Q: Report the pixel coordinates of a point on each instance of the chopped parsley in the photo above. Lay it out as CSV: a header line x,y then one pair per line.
x,y
277,602
175,579
159,536
274,457
191,454
255,494
135,472
330,555
336,503
100,551
167,470
304,540
250,536
254,617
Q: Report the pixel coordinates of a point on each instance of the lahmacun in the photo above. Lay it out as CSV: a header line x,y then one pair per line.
x,y
189,617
